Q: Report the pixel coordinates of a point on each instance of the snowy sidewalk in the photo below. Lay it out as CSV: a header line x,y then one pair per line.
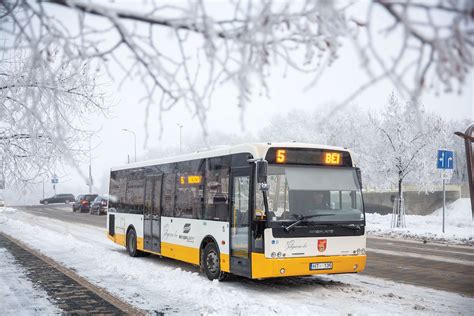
x,y
19,295
66,294
459,225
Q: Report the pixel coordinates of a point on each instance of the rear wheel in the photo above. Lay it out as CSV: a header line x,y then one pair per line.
x,y
132,244
211,263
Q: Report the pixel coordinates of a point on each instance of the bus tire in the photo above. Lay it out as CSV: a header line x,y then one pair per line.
x,y
131,243
211,263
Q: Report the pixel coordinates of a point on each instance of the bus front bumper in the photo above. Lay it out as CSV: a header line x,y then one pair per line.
x,y
282,267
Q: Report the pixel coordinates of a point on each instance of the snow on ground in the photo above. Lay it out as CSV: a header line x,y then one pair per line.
x,y
18,295
168,286
459,225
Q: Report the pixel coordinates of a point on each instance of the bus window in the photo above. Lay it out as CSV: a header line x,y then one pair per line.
x,y
134,198
189,195
169,181
217,189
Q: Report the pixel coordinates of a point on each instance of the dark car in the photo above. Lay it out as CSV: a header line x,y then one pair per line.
x,y
99,206
83,202
58,198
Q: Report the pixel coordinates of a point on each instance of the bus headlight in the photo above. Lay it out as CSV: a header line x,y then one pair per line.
x,y
355,267
273,254
282,271
279,254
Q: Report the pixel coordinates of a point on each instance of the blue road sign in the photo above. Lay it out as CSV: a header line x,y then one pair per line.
x,y
445,159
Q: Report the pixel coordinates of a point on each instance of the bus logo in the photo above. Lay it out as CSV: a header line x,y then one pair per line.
x,y
186,228
322,245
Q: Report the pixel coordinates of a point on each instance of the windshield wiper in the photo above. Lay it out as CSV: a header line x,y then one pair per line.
x,y
303,218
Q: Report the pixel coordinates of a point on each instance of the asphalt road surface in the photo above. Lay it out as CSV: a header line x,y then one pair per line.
x,y
439,266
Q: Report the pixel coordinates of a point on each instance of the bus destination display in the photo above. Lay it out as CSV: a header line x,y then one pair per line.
x,y
305,156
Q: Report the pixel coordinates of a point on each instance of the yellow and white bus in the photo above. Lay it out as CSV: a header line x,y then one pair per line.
x,y
255,210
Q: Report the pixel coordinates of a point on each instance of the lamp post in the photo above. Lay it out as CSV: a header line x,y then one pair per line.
x,y
89,182
180,133
134,140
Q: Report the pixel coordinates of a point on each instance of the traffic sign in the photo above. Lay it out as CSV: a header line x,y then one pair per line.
x,y
445,159
54,179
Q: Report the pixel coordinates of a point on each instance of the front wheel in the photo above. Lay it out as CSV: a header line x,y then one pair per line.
x,y
211,263
66,202
132,244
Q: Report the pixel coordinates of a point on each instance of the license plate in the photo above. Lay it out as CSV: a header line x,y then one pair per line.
x,y
320,266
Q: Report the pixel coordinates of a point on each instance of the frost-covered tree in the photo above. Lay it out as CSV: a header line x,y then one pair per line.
x,y
182,52
392,147
44,108
402,150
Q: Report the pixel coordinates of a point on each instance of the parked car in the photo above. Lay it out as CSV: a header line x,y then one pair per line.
x,y
99,206
58,198
83,202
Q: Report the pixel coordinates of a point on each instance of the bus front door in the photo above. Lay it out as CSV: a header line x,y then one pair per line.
x,y
152,213
239,232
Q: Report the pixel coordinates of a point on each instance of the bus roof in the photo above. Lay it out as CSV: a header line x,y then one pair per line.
x,y
258,150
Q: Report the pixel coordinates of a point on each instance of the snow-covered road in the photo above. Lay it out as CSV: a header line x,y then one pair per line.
x,y
163,285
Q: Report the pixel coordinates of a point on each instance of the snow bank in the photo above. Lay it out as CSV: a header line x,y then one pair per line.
x,y
18,295
459,225
168,286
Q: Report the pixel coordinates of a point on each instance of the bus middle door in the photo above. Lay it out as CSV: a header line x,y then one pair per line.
x,y
152,214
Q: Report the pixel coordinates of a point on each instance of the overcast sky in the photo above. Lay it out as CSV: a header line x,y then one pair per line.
x,y
112,145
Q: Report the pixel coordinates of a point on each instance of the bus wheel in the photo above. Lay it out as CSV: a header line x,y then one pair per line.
x,y
211,263
132,243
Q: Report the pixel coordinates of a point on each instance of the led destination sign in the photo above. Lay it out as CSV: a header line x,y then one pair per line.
x,y
305,156
190,179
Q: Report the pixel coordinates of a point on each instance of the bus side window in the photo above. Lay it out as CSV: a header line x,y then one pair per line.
x,y
135,196
189,189
217,189
167,200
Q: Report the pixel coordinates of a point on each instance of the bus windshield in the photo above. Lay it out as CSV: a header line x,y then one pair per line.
x,y
320,193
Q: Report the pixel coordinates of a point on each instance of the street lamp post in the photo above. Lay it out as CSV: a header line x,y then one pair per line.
x,y
90,167
180,134
134,140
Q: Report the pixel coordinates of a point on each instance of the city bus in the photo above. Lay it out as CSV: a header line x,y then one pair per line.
x,y
253,210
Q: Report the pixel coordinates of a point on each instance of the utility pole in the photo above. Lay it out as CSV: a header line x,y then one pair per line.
x,y
180,134
468,136
134,140
90,167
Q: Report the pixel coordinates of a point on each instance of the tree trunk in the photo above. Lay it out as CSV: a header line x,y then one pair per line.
x,y
400,188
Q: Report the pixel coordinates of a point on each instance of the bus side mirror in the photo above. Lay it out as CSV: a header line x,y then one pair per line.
x,y
262,171
359,176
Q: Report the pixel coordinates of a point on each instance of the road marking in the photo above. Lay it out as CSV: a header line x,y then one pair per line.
x,y
416,255
435,250
419,241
